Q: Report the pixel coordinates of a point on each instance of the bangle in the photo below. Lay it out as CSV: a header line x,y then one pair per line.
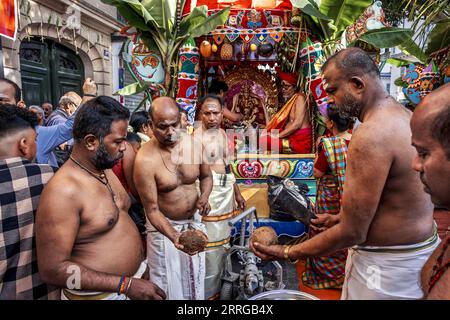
x,y
120,286
286,254
128,286
90,95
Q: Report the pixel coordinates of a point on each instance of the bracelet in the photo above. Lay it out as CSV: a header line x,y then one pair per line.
x,y
286,254
128,286
90,95
121,285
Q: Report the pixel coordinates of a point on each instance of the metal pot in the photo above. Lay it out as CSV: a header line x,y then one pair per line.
x,y
284,295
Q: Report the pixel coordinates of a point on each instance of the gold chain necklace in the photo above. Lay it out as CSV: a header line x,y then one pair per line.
x,y
176,168
99,177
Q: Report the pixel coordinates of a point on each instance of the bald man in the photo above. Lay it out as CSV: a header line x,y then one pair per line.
x,y
430,125
385,219
165,174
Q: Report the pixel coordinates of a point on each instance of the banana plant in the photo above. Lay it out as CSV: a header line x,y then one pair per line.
x,y
159,22
332,17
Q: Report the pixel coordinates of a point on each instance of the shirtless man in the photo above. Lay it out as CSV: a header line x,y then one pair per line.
x,y
225,193
292,122
167,187
86,242
386,219
430,125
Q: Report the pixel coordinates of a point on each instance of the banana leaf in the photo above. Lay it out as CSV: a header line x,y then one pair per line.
x,y
131,89
211,23
343,12
194,19
396,62
411,48
137,7
133,18
385,37
163,12
439,37
310,8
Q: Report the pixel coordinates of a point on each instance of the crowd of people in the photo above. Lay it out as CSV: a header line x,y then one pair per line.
x,y
94,200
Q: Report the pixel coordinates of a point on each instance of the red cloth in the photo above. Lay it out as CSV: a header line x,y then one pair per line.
x,y
118,171
299,142
292,78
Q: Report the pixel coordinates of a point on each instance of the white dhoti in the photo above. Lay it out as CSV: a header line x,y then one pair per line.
x,y
67,294
178,274
387,273
222,202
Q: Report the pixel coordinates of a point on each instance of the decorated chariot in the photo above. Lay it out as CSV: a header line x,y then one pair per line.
x,y
177,48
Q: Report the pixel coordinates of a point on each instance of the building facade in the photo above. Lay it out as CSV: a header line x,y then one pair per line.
x,y
59,44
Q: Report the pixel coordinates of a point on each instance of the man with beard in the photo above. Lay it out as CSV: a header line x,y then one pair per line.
x,y
292,121
225,193
430,125
86,242
385,219
165,175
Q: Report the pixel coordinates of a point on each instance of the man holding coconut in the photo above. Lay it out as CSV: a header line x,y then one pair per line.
x,y
165,173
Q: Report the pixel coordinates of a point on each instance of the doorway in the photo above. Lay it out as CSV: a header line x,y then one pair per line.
x,y
49,70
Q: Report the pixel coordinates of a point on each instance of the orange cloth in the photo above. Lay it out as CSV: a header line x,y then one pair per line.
x,y
279,119
322,294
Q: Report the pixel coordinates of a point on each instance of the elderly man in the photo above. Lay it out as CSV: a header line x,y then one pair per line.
x,y
430,125
165,175
385,219
39,113
292,122
225,193
86,242
21,183
47,137
48,110
68,104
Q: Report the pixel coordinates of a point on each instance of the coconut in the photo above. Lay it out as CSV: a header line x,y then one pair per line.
x,y
205,48
265,235
193,240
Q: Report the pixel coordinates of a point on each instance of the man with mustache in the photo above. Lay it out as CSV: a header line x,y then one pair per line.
x,y
385,219
430,125
86,242
165,174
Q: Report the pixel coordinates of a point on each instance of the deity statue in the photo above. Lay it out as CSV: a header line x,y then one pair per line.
x,y
250,106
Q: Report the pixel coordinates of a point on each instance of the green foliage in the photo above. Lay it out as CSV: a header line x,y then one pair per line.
x,y
156,21
386,37
132,89
343,12
439,37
